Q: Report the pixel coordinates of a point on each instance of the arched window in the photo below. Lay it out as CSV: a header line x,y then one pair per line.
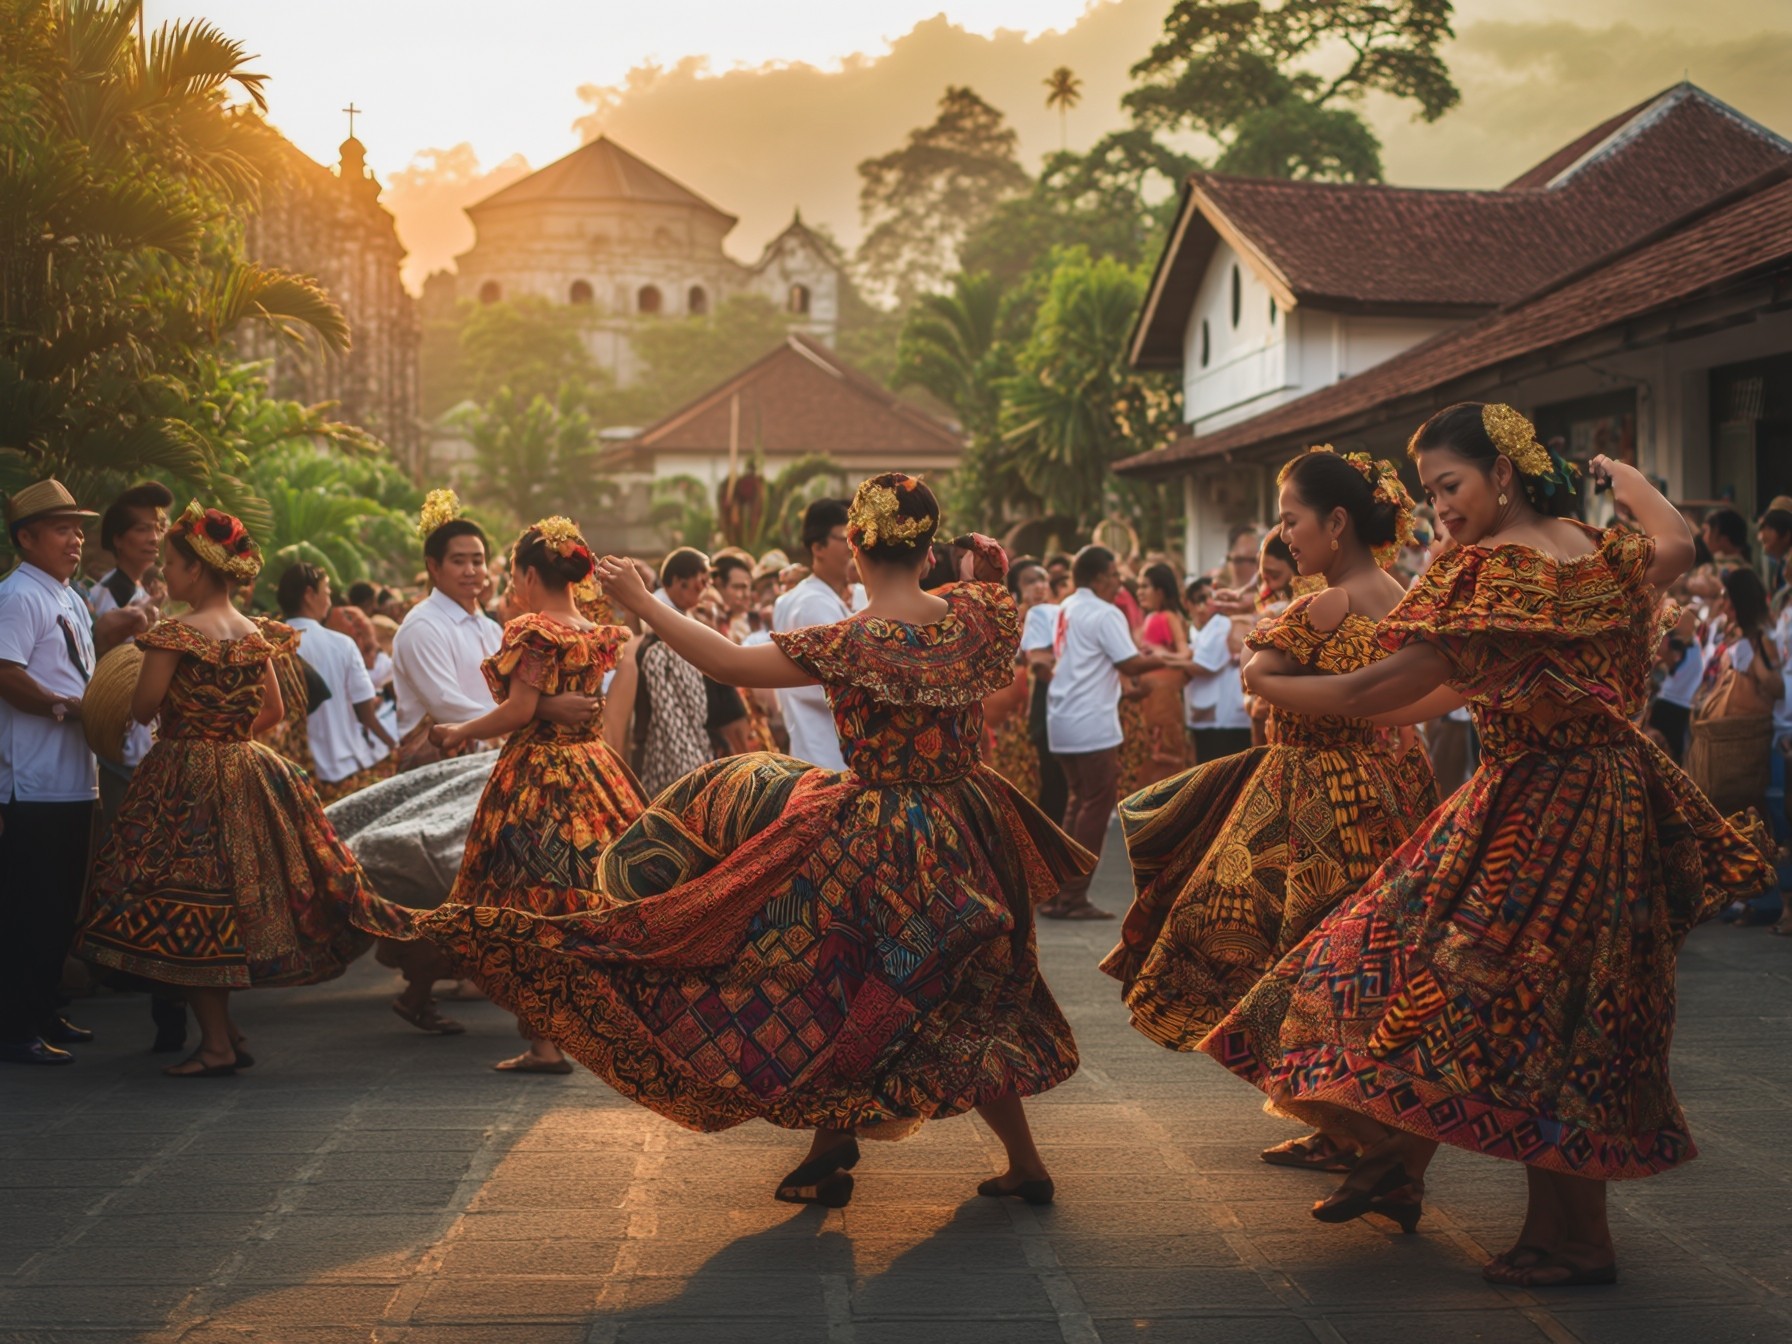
x,y
696,302
1272,310
490,292
647,299
1206,344
798,299
1237,296
581,292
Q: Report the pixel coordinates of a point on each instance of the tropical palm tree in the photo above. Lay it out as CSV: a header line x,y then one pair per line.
x,y
123,168
948,347
1063,91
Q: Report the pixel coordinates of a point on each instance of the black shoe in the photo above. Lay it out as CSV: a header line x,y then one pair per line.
x,y
170,1017
1040,1192
34,1051
60,1031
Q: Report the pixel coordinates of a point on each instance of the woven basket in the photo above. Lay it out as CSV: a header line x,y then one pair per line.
x,y
106,708
1727,759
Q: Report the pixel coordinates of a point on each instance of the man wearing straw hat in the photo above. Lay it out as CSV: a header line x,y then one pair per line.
x,y
47,782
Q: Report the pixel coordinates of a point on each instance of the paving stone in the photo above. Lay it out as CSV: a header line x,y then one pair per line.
x,y
1507,1326
509,1299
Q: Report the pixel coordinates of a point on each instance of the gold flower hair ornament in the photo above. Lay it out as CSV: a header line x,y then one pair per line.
x,y
1386,487
876,516
1516,438
220,541
439,507
561,535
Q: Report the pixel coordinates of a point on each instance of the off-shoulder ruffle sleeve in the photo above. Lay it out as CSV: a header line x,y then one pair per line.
x,y
1515,590
269,638
949,663
1351,645
545,654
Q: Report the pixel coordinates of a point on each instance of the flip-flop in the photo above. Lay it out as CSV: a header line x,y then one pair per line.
x,y
428,1019
204,1071
525,1063
1574,1276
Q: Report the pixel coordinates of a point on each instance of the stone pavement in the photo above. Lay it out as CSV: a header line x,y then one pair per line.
x,y
365,1183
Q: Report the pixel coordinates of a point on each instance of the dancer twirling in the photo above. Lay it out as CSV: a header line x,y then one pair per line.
x,y
1236,860
558,795
1505,982
849,952
220,872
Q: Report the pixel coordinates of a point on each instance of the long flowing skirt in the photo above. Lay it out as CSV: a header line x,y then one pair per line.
x,y
1505,982
409,832
789,944
220,871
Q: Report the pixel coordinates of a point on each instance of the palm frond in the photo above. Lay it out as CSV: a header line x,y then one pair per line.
x,y
289,303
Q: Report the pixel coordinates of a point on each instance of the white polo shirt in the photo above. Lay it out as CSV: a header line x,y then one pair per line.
x,y
1217,683
435,662
806,714
137,737
42,761
339,744
1041,628
1082,705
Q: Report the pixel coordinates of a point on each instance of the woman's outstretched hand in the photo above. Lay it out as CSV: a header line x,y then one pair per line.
x,y
622,581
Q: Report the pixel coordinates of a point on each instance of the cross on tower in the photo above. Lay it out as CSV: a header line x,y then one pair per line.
x,y
352,110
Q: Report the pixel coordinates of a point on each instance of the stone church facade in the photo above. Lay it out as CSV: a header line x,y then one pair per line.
x,y
331,227
603,230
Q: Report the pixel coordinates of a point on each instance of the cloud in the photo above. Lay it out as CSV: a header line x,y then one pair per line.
x,y
1529,88
428,199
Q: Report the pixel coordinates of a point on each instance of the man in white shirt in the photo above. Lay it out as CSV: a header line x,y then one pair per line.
x,y
821,599
47,783
1094,650
1030,583
347,739
1218,720
131,529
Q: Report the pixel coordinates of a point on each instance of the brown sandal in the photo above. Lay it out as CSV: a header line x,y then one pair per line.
x,y
428,1019
1315,1152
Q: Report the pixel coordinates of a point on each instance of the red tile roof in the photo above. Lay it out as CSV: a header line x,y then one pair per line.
x,y
803,398
1370,248
1748,236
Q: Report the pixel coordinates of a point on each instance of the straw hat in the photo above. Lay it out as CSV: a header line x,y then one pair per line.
x,y
45,499
106,708
770,565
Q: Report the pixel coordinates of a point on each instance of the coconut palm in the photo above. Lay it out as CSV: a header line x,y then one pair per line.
x,y
123,168
1063,91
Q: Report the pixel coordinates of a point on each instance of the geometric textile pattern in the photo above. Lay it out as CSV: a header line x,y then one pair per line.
x,y
220,869
1237,859
558,795
813,948
1505,982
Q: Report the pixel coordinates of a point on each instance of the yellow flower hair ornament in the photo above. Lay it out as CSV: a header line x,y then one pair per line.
x,y
876,516
1386,487
1516,438
439,507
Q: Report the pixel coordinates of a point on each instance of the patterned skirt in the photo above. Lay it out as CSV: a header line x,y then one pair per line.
x,y
1505,982
1236,860
547,814
793,945
221,872
1156,743
1013,756
328,793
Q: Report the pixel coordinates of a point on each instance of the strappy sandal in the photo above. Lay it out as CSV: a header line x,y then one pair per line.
x,y
1353,1201
1573,1275
1316,1152
528,1063
825,1174
203,1071
1039,1192
428,1019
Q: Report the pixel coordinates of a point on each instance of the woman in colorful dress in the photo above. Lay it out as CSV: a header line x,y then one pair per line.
x,y
557,796
1505,981
850,953
1157,715
220,872
1236,860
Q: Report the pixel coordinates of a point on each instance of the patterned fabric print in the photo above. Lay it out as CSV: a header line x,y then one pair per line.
x,y
291,737
1505,982
677,726
220,869
1010,747
557,795
805,947
328,793
1155,745
1236,860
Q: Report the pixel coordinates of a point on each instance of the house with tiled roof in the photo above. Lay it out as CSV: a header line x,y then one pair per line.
x,y
800,399
1629,293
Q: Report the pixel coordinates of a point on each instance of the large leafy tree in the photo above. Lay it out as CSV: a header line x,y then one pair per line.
x,y
353,514
1073,406
920,201
1279,85
123,166
534,456
527,345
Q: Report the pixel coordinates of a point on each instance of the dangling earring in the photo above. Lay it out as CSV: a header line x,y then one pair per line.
x,y
1502,499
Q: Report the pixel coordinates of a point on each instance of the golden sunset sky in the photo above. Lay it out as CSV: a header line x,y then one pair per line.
x,y
766,106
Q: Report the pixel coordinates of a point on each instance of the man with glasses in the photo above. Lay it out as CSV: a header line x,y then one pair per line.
x,y
1242,544
828,595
